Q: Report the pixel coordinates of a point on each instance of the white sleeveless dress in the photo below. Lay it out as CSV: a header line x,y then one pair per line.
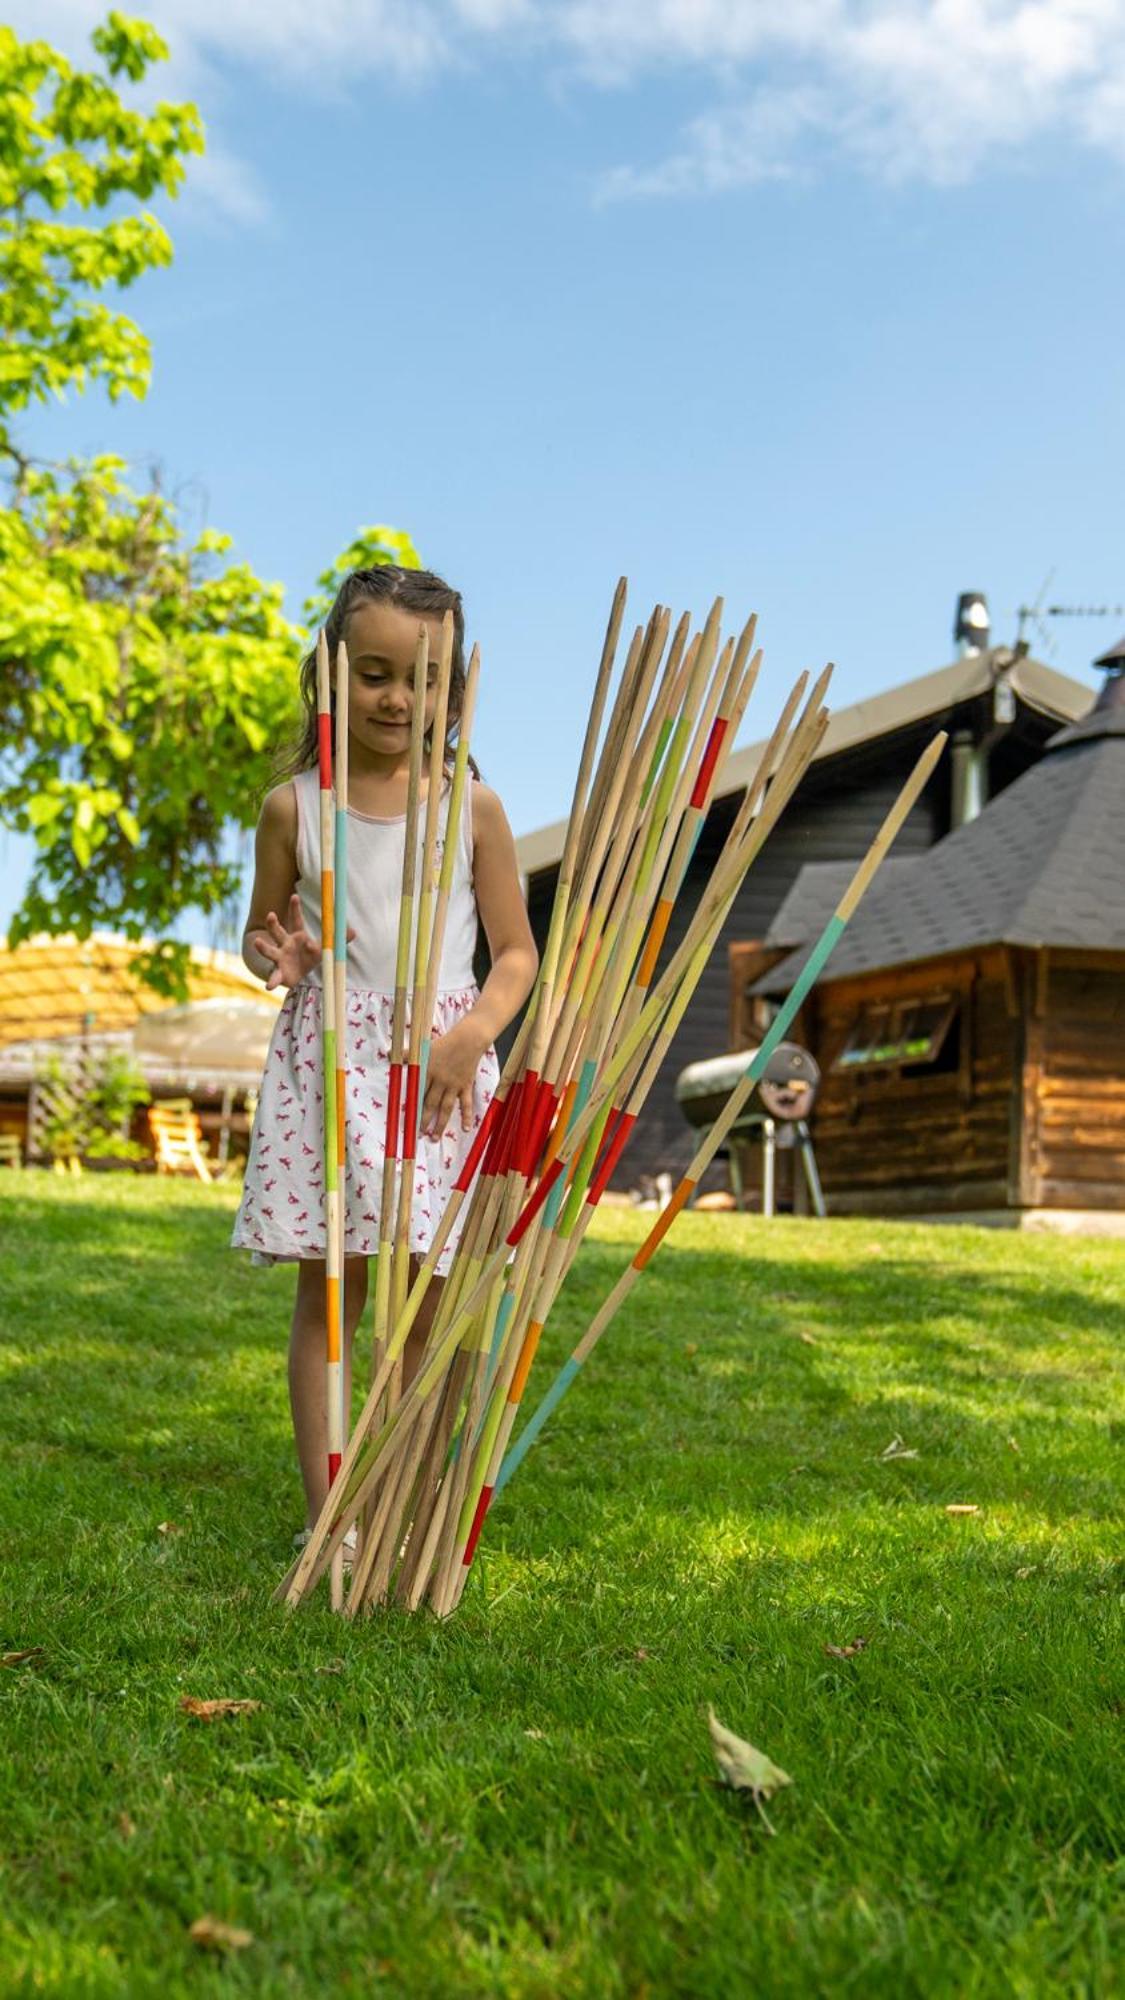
x,y
281,1215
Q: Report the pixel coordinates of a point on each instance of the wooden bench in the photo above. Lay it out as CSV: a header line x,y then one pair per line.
x,y
10,1154
179,1142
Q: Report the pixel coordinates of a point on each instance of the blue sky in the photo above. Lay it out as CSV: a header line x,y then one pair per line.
x,y
818,307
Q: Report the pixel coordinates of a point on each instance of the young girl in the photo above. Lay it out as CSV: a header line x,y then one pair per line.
x,y
377,614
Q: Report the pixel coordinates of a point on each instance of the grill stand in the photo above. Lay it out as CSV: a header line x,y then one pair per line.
x,y
769,1167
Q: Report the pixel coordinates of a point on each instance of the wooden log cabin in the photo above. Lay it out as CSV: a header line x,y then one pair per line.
x,y
970,1026
1000,709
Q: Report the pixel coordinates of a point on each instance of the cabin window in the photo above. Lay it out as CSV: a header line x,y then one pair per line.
x,y
914,1037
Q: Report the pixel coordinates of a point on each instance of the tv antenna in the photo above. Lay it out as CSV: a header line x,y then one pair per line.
x,y
1037,615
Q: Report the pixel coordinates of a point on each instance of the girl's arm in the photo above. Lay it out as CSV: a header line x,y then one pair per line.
x,y
278,955
515,960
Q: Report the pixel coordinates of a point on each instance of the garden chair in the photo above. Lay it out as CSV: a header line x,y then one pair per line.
x,y
178,1138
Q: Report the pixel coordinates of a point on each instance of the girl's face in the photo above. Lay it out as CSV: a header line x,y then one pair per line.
x,y
381,641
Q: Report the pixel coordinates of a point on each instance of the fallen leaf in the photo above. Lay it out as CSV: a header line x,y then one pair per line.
x,y
743,1767
537,1735
896,1449
1028,1570
807,1337
641,1653
168,1528
209,1711
1012,1445
17,1659
691,1347
332,1667
126,1826
849,1651
962,1507
214,1935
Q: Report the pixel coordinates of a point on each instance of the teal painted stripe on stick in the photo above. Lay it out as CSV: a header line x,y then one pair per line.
x,y
531,1431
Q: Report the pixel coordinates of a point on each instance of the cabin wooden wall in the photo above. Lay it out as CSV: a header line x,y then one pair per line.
x,y
890,1142
1076,1154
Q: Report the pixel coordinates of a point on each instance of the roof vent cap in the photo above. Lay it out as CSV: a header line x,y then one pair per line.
x,y
972,627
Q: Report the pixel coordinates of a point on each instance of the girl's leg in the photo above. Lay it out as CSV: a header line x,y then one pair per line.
x,y
307,1396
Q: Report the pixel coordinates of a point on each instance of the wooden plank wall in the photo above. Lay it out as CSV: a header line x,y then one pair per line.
x,y
887,1143
1081,1099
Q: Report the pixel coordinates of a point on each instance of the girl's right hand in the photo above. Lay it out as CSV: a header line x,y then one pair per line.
x,y
293,952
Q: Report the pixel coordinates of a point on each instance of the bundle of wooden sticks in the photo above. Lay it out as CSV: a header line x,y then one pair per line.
x,y
423,1463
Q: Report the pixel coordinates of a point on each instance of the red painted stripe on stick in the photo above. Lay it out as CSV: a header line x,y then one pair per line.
x,y
410,1120
663,1224
528,1104
710,759
333,1466
625,1123
324,750
394,1099
478,1523
508,1127
544,1112
531,1208
539,1106
476,1151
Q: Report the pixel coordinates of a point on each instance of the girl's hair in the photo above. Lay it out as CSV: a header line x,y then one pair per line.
x,y
417,590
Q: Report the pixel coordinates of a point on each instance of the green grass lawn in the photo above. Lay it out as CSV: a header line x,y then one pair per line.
x,y
522,1801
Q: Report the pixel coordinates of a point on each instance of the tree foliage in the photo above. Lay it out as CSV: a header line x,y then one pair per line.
x,y
146,680
69,149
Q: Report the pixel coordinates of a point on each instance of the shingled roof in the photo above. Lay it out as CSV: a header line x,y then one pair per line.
x,y
1043,865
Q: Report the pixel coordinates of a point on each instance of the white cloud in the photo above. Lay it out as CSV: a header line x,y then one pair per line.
x,y
930,89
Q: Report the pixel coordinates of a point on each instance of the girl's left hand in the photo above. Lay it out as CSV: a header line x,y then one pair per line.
x,y
449,1079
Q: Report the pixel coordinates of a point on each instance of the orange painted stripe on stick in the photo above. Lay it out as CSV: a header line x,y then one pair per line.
x,y
328,907
332,1287
663,1224
523,1365
654,940
558,1133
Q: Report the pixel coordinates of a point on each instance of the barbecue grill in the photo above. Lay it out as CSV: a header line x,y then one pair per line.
x,y
777,1111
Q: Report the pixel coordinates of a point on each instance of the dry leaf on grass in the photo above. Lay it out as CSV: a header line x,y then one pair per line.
x,y
168,1528
210,1711
743,1767
18,1659
896,1449
849,1651
962,1507
806,1336
213,1935
691,1347
332,1667
1012,1445
126,1826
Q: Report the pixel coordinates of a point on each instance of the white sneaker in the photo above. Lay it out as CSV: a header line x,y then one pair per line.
x,y
303,1537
